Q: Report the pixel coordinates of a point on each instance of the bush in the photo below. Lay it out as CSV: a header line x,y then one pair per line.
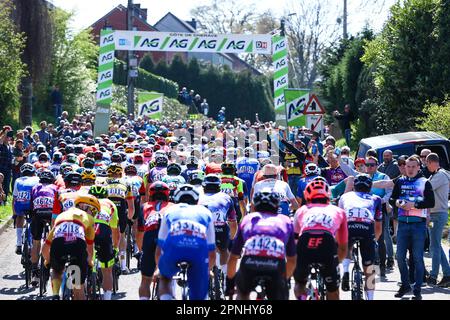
x,y
437,118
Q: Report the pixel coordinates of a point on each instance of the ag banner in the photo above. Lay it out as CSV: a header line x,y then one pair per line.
x,y
192,42
150,104
280,77
296,100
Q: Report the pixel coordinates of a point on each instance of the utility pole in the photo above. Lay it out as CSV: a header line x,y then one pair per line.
x,y
344,18
130,60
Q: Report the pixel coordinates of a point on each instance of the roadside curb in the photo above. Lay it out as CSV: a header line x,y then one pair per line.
x,y
5,225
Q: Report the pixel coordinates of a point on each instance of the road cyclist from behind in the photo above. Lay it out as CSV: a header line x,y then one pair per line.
x,y
364,219
186,234
266,241
72,235
323,239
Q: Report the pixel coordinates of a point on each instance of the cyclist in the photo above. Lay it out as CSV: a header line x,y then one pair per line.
x,y
191,165
43,162
196,178
22,204
269,249
287,199
42,199
153,211
64,170
56,163
247,166
106,236
312,171
88,178
186,234
234,187
136,184
73,234
88,163
64,198
323,237
224,216
364,218
173,179
157,172
120,194
141,167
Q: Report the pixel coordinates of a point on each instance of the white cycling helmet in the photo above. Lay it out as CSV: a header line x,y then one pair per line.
x,y
312,169
186,194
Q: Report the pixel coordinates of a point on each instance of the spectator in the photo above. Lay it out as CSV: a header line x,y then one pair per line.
x,y
345,156
221,115
293,159
423,165
6,158
413,195
389,165
2,192
66,131
204,108
198,103
44,136
28,136
333,173
346,118
316,137
440,181
19,159
57,101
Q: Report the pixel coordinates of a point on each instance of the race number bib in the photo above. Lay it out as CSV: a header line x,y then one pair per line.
x,y
318,219
152,221
43,203
23,196
103,216
188,228
67,204
359,215
265,246
69,231
116,192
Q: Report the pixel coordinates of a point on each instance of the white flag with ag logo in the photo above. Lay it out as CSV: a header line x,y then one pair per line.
x,y
150,104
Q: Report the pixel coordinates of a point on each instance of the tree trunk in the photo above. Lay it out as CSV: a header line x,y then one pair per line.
x,y
26,101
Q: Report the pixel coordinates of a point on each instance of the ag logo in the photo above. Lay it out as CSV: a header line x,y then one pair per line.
x,y
296,108
150,107
105,94
179,43
106,76
108,39
211,44
150,43
236,45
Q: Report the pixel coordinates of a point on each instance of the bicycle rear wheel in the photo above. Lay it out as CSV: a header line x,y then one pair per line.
x,y
357,285
44,275
115,274
130,248
26,262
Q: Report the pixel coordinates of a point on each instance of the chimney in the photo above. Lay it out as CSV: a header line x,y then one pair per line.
x,y
193,23
144,14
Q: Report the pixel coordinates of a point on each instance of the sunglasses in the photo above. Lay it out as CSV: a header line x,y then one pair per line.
x,y
402,164
371,165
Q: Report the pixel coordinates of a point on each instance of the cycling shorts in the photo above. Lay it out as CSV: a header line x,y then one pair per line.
x,y
198,272
77,251
148,263
104,245
318,247
222,236
137,209
365,233
38,221
272,271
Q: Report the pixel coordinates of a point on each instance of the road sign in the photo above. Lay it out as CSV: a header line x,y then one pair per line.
x,y
314,106
314,122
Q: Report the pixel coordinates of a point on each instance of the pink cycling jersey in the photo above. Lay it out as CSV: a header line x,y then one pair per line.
x,y
324,217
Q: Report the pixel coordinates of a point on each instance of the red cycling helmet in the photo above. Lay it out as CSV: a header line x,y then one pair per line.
x,y
317,189
162,141
160,188
138,159
148,152
156,147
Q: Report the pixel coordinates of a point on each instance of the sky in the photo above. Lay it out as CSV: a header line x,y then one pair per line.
x,y
360,12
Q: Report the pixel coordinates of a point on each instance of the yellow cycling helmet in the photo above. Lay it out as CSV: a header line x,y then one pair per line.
x,y
88,174
129,149
88,202
114,168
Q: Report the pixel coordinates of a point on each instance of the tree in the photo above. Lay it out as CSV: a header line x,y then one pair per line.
x,y
12,69
147,63
437,118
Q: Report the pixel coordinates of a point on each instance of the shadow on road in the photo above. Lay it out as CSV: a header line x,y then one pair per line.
x,y
16,291
435,290
35,297
119,296
19,276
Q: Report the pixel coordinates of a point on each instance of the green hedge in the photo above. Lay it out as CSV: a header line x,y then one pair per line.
x,y
145,80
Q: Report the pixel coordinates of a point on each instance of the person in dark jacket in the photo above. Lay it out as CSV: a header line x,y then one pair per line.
x,y
413,195
389,165
346,119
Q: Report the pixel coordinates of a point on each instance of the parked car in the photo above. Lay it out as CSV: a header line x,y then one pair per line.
x,y
408,143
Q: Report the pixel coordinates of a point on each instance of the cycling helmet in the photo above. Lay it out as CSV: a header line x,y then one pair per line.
x,y
186,194
123,156
68,149
317,189
80,170
78,149
192,162
115,157
161,161
312,169
88,163
73,179
27,169
72,158
44,156
101,172
64,166
88,202
174,169
88,174
266,200
249,152
159,191
57,157
40,149
98,191
148,152
68,139
138,159
98,155
212,181
131,169
129,149
196,177
228,168
320,178
46,176
363,182
114,168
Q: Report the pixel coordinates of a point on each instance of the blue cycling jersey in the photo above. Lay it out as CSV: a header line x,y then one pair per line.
x,y
246,169
302,185
22,194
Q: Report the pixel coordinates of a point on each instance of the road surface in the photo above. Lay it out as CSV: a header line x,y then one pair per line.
x,y
12,283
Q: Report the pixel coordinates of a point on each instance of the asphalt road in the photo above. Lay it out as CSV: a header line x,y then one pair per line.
x,y
12,283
